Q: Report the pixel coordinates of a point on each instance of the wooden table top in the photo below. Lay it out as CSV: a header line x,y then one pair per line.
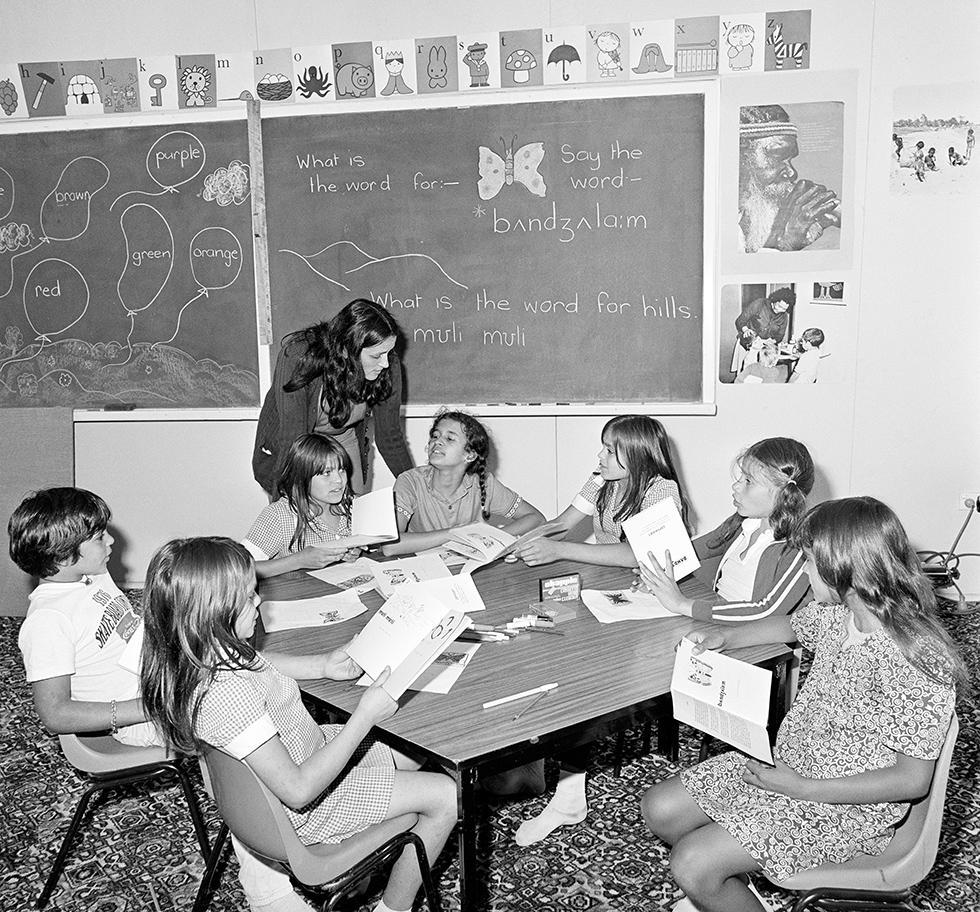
x,y
601,669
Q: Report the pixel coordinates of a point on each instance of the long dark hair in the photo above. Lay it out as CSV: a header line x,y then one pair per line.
x,y
858,544
788,465
333,353
195,589
477,442
643,448
309,455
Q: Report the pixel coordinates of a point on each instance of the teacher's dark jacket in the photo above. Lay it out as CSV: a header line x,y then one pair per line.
x,y
285,416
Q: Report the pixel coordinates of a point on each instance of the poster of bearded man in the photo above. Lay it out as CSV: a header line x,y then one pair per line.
x,y
788,168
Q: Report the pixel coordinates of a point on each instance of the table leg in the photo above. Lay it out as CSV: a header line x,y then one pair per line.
x,y
466,810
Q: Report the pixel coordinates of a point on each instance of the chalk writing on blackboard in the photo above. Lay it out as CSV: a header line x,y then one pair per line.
x,y
125,273
546,251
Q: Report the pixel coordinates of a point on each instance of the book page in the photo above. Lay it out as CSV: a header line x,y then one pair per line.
x,y
724,697
373,516
659,529
390,575
480,541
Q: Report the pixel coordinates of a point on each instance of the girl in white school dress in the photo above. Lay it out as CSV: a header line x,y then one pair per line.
x,y
202,683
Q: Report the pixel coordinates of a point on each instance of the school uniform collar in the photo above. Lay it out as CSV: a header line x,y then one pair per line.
x,y
750,524
461,491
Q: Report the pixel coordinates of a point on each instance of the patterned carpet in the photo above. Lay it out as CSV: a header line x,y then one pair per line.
x,y
137,850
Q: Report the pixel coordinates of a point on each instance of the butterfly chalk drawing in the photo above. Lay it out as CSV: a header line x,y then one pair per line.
x,y
520,166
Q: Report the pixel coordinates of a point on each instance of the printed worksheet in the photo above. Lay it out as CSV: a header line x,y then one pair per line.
x,y
611,605
312,612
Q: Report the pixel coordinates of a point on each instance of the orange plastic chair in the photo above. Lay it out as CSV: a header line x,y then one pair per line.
x,y
329,871
883,881
107,763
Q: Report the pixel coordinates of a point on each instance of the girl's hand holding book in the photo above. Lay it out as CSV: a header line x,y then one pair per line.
x,y
540,551
780,778
340,667
712,639
660,582
315,557
376,704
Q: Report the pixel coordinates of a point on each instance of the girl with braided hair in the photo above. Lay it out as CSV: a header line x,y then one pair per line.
x,y
454,489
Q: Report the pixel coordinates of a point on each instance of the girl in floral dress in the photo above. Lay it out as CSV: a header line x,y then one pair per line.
x,y
859,743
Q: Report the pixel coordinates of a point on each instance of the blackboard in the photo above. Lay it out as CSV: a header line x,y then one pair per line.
x,y
126,270
545,251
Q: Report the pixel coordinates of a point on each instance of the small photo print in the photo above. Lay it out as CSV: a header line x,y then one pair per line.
x,y
933,139
828,293
764,338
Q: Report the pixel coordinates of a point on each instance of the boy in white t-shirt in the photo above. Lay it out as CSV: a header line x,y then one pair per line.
x,y
78,623
75,644
809,361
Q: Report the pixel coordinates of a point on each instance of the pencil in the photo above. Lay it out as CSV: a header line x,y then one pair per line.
x,y
537,699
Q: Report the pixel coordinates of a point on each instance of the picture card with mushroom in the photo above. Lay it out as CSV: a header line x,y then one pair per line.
x,y
521,63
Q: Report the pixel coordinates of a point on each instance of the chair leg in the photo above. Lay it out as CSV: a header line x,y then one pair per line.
x,y
62,856
196,818
428,887
209,880
620,746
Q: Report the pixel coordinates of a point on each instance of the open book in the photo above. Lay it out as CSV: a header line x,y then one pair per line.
x,y
724,697
659,529
406,634
372,517
482,544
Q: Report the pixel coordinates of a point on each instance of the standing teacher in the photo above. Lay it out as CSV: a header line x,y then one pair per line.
x,y
329,379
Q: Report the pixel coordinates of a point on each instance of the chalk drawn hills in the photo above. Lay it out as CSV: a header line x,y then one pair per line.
x,y
126,269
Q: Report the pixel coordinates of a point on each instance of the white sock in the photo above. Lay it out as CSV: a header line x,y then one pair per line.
x,y
291,902
567,806
381,907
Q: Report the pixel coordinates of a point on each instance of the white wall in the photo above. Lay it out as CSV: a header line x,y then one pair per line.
x,y
902,424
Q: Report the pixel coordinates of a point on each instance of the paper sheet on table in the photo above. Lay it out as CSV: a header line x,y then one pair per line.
x,y
357,575
373,516
440,676
313,612
391,575
658,529
611,605
724,697
449,558
457,593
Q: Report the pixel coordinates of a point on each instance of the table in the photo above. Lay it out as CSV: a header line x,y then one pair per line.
x,y
607,675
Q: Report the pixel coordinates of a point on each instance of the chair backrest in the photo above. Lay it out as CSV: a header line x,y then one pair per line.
x,y
912,851
257,818
253,814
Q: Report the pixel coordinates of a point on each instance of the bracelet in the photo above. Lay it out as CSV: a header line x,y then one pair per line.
x,y
113,724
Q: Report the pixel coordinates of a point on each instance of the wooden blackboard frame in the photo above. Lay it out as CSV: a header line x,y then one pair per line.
x,y
708,90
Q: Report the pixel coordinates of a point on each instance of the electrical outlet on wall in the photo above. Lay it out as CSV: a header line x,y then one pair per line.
x,y
969,500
